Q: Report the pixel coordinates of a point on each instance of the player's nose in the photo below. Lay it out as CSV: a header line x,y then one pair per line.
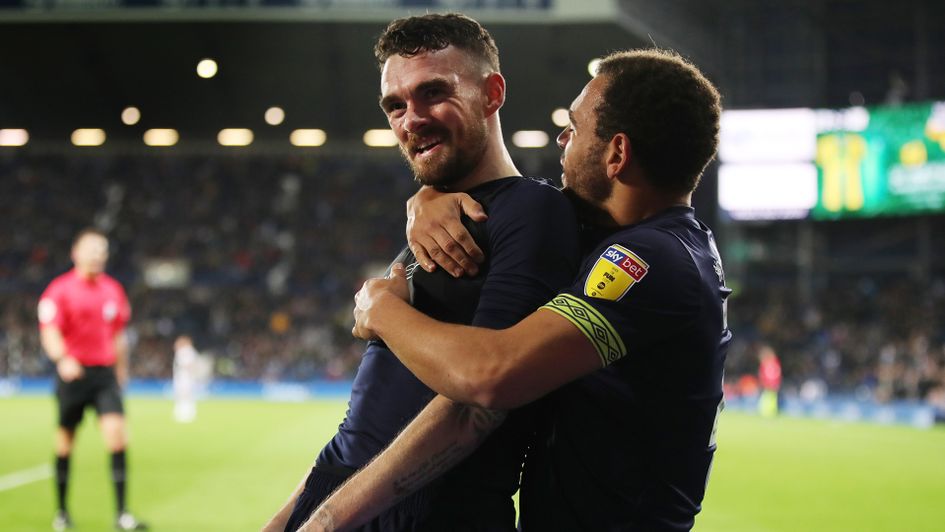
x,y
564,137
415,119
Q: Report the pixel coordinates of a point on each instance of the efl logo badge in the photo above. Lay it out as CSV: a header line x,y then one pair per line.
x,y
615,272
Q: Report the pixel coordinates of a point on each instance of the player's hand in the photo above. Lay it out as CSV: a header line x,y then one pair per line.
x,y
69,369
122,376
367,300
436,235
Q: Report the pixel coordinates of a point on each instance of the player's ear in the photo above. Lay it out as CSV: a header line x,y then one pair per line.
x,y
618,155
494,92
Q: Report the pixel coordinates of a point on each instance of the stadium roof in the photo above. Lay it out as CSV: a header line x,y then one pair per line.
x,y
62,70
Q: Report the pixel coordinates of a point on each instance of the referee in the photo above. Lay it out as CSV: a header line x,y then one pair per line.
x,y
82,316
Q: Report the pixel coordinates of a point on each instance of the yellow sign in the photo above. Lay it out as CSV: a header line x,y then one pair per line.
x,y
616,270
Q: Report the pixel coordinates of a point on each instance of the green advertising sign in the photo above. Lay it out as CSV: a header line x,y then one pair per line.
x,y
896,165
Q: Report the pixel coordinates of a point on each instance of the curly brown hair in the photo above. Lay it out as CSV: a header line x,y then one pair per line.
x,y
410,36
668,109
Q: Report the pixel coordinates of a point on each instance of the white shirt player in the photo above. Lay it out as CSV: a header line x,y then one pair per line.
x,y
186,362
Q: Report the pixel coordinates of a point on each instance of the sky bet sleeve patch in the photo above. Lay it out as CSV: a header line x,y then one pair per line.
x,y
593,324
616,270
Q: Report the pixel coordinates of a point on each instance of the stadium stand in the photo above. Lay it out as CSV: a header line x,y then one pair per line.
x,y
275,247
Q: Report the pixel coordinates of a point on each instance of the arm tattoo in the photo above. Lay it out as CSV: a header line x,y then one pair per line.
x,y
323,517
481,421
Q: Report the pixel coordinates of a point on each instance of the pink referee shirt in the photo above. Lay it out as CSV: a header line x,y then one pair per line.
x,y
88,313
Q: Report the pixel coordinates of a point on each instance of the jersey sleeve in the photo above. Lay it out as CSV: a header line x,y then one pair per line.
x,y
534,253
631,294
124,309
51,310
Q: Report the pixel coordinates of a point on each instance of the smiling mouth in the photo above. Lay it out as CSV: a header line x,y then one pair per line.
x,y
420,150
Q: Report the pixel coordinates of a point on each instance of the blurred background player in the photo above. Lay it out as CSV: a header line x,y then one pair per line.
x,y
769,376
185,379
82,317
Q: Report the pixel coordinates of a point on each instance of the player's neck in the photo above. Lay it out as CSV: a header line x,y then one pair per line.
x,y
627,206
495,163
86,274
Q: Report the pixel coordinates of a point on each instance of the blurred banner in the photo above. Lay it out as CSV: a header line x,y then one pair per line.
x,y
896,165
830,164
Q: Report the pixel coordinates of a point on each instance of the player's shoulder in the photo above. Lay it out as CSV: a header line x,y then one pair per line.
x,y
658,243
536,187
649,252
59,283
111,283
666,237
524,196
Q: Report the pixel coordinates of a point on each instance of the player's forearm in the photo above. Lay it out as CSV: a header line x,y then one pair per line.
x,y
439,437
121,357
277,522
51,339
499,369
463,363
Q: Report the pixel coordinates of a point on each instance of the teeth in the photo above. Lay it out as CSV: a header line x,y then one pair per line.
x,y
426,147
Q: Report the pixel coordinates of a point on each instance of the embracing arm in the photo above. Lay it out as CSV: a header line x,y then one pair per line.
x,y
439,437
436,234
278,521
500,369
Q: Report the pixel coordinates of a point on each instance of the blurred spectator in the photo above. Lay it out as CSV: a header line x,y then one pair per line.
x,y
877,337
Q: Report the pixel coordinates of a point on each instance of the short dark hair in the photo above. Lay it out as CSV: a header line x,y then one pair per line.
x,y
668,109
410,36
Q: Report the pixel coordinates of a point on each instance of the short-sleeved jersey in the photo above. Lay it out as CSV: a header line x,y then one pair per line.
x,y
532,251
88,313
629,447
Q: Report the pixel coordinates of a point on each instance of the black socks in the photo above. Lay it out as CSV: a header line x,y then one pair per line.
x,y
118,477
62,479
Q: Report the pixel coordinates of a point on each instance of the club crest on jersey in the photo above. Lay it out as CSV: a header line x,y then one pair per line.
x,y
109,310
616,270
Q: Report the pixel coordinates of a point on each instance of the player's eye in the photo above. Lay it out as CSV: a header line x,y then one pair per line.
x,y
394,108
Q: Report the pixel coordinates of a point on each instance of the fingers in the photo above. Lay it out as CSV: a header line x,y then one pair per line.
x,y
436,235
472,208
452,249
429,252
398,270
422,258
468,254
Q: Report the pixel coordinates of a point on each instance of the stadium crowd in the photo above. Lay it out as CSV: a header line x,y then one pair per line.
x,y
870,337
277,245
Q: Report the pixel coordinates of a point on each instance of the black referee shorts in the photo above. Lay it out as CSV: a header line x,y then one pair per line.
x,y
98,388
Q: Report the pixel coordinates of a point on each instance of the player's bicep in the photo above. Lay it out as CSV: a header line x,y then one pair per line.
x,y
545,351
534,253
49,311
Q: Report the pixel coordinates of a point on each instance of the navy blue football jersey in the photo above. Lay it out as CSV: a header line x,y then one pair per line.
x,y
532,251
629,446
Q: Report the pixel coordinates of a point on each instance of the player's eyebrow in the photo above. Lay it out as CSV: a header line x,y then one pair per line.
x,y
571,118
435,83
386,101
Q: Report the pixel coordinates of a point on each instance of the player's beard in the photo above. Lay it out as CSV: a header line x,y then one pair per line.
x,y
588,179
457,158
